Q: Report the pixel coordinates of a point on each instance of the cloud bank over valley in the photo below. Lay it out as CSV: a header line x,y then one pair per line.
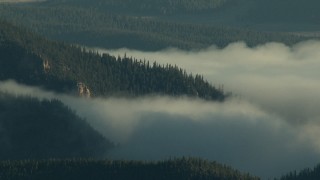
x,y
270,127
281,79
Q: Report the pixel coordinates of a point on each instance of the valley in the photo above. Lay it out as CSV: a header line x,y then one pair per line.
x,y
173,89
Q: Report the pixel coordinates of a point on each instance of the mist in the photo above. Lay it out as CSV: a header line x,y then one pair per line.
x,y
281,79
235,132
271,125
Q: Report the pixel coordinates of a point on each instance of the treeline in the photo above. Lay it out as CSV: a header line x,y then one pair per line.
x,y
156,7
78,169
94,27
306,174
104,75
38,129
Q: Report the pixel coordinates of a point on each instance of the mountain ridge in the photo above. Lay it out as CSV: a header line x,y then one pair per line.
x,y
61,67
93,27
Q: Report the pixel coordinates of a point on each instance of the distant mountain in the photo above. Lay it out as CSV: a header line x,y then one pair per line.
x,y
262,10
34,129
285,11
30,59
269,15
155,7
275,15
97,25
84,169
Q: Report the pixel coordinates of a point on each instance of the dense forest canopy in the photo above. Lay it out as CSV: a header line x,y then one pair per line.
x,y
37,129
275,15
305,174
78,169
92,27
60,67
147,6
285,11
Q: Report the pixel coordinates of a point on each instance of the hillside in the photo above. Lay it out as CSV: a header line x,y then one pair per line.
x,y
252,10
294,11
156,7
184,168
285,16
68,69
91,26
34,129
261,15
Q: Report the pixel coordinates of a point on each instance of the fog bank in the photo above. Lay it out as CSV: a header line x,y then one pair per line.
x,y
283,80
270,127
237,132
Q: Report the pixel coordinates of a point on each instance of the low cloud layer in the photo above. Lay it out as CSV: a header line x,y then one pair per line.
x,y
270,127
236,132
281,79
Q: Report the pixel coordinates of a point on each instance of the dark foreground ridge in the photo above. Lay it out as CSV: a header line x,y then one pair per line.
x,y
177,169
34,129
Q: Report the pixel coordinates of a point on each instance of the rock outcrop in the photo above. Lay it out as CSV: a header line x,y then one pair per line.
x,y
46,66
83,90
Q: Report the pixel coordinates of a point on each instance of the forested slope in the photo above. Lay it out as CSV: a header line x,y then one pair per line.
x,y
30,59
156,7
306,174
285,11
40,129
184,168
95,27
